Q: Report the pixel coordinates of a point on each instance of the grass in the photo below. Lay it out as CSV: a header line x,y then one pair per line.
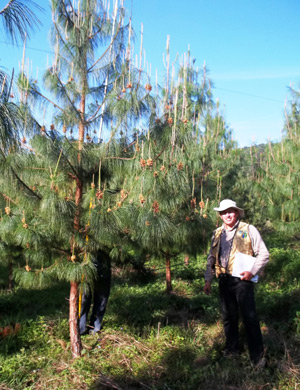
x,y
150,340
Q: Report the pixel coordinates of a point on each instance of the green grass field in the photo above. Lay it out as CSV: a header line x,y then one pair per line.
x,y
150,339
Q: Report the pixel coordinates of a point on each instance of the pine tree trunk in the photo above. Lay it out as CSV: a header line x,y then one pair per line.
x,y
81,126
168,274
78,198
73,321
74,290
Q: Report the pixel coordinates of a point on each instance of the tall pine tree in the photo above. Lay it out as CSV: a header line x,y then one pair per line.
x,y
64,187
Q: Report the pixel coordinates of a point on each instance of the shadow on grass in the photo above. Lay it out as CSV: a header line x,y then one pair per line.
x,y
140,302
196,368
186,367
172,371
25,304
141,307
27,316
138,309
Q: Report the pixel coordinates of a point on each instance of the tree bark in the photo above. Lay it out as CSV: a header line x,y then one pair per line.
x,y
74,290
81,126
73,321
78,198
168,274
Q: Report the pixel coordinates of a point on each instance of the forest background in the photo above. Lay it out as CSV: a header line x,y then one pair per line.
x,y
145,196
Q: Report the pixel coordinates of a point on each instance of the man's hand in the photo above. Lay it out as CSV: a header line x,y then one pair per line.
x,y
246,275
207,288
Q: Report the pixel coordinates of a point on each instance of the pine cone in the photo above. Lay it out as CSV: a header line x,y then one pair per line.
x,y
180,166
142,199
150,162
193,203
99,194
142,163
155,207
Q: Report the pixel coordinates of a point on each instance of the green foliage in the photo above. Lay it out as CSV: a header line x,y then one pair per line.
x,y
297,323
279,295
267,183
285,266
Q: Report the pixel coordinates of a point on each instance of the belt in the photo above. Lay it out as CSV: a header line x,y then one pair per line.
x,y
223,275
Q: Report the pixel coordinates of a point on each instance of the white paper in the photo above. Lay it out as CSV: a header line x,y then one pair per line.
x,y
243,263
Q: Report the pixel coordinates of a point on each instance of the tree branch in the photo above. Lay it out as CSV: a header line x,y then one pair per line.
x,y
6,7
108,47
26,186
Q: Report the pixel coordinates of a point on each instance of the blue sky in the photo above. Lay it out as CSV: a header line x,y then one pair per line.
x,y
250,49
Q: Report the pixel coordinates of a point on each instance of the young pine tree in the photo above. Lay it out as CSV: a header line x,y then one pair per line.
x,y
18,19
172,183
65,190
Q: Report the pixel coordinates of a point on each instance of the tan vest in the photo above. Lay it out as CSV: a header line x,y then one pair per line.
x,y
241,243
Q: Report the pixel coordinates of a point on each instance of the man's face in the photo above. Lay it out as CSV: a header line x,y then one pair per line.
x,y
229,217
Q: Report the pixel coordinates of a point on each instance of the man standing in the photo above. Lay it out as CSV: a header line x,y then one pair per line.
x,y
237,293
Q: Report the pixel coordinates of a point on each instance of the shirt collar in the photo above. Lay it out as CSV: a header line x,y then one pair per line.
x,y
233,227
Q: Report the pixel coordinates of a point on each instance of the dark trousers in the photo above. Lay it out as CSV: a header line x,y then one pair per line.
x,y
98,291
236,296
99,305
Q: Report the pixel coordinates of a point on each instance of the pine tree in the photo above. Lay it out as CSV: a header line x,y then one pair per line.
x,y
66,185
172,185
281,179
10,118
267,183
18,20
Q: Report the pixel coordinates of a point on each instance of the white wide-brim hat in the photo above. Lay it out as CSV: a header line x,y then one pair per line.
x,y
229,204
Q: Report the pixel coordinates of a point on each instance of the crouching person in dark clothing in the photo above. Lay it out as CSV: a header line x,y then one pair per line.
x,y
99,291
